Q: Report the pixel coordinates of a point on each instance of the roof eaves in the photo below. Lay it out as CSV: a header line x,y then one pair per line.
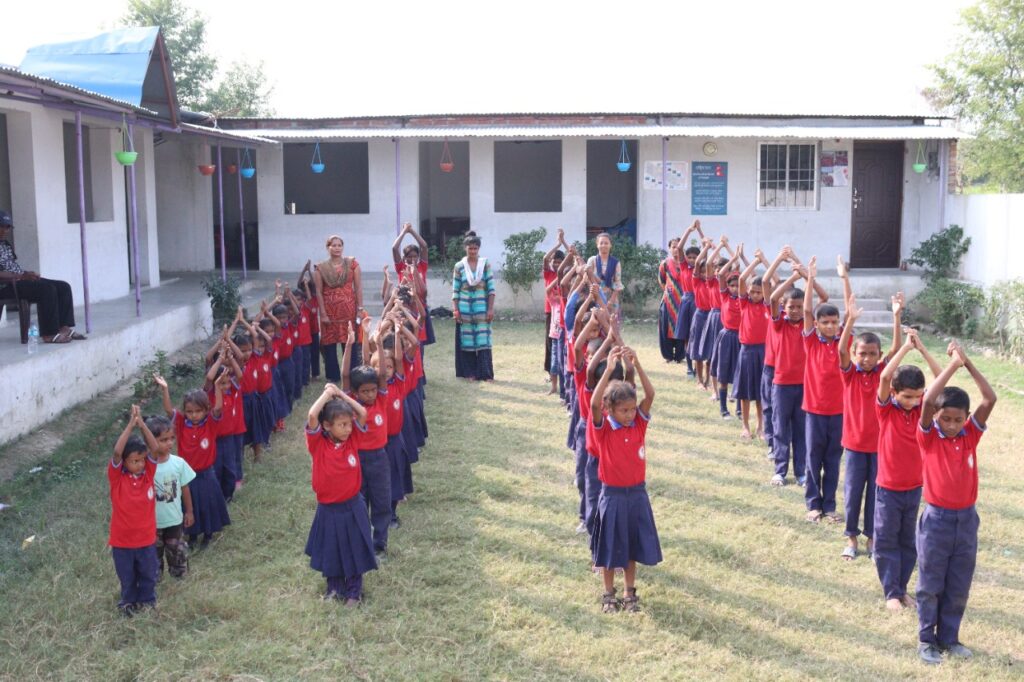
x,y
97,98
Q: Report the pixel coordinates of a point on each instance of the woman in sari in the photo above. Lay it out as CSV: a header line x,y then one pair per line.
x,y
670,276
339,291
473,303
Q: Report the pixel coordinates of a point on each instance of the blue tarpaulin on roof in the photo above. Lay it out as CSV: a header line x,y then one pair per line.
x,y
112,64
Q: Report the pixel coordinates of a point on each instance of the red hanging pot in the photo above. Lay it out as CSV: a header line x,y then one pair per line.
x,y
207,169
232,169
447,162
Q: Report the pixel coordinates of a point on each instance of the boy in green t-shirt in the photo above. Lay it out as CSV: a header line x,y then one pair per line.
x,y
173,474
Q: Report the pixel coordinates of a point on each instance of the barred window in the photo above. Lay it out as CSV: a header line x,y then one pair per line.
x,y
787,177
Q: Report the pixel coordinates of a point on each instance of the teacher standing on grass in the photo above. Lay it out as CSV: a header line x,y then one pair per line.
x,y
339,290
473,303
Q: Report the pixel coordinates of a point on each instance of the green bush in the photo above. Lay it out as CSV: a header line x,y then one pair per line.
x,y
443,262
940,254
953,305
225,297
639,270
523,260
1004,316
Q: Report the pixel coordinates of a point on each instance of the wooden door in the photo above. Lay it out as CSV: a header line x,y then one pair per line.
x,y
877,204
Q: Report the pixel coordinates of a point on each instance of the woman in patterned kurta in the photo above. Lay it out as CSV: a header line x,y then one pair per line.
x,y
670,277
473,302
339,292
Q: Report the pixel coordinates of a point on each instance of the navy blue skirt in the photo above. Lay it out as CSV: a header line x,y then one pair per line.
x,y
209,511
282,406
421,412
412,420
746,384
686,310
259,417
700,321
401,468
727,351
624,530
226,464
430,330
339,543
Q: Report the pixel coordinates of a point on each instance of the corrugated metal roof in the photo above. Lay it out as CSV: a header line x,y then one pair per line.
x,y
64,89
859,132
242,137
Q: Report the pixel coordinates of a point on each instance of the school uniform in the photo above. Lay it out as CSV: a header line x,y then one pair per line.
x,y
297,361
823,405
897,496
771,344
687,308
376,469
860,441
702,302
280,398
286,364
727,347
587,480
339,545
753,332
624,529
947,532
313,313
788,415
258,404
713,326
398,457
197,445
549,276
409,429
133,533
230,440
415,414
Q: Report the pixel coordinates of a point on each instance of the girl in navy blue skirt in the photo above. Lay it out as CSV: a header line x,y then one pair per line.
x,y
624,531
753,333
727,345
339,543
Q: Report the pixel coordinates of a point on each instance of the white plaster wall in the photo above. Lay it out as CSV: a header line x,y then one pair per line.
x,y
922,203
184,205
993,222
145,191
287,241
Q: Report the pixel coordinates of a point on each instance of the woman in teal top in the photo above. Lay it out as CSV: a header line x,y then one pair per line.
x,y
473,303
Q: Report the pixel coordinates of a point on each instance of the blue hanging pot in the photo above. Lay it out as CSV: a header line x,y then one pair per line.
x,y
247,173
623,166
317,167
624,163
317,163
247,169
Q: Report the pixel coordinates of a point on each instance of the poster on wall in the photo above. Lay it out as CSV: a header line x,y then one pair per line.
x,y
675,175
835,168
710,188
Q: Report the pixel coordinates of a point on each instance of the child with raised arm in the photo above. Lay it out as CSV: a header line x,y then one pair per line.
x,y
411,266
173,497
789,425
133,519
552,262
702,305
624,531
339,543
752,336
861,368
771,344
727,345
947,532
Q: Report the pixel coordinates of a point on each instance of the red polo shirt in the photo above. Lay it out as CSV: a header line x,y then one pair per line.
x,y
701,295
823,382
753,323
732,311
285,344
714,293
549,277
686,276
899,457
771,342
232,412
860,393
337,476
197,443
265,364
397,390
790,352
305,330
376,435
950,465
622,458
133,510
250,375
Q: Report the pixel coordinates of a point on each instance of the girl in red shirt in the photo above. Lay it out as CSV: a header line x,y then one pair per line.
x,y
624,531
727,344
339,543
752,336
411,267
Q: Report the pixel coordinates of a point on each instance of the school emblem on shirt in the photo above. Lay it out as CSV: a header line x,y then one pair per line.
x,y
266,368
970,461
204,443
149,493
304,320
288,340
276,356
352,461
642,453
396,404
378,420
256,374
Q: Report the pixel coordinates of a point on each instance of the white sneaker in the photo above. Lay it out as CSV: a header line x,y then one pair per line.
x,y
582,528
778,480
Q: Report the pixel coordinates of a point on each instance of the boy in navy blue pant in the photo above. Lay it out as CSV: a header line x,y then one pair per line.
x,y
947,532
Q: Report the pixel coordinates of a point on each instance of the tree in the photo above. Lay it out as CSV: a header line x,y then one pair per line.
x,y
240,91
982,84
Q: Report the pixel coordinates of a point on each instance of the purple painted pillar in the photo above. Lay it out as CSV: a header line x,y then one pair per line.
x,y
241,215
398,189
133,198
220,197
664,193
81,220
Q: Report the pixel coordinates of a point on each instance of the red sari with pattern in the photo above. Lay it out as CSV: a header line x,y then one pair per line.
x,y
339,299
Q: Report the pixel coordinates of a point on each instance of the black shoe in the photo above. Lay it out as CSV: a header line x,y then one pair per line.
x,y
929,653
126,610
395,522
957,650
381,555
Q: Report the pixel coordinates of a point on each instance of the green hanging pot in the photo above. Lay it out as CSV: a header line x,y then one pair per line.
x,y
126,158
920,167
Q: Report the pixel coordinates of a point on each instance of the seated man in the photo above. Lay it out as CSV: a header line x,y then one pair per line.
x,y
55,307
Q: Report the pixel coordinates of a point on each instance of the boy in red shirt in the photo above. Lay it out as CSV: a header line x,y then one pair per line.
x,y
822,403
947,538
133,519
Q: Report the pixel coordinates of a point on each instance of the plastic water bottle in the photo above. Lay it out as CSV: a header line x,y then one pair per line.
x,y
33,339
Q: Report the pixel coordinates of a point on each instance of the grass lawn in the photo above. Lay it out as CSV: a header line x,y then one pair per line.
x,y
486,578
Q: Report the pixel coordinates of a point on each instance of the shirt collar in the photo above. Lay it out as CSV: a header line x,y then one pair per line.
x,y
616,425
935,425
192,424
823,339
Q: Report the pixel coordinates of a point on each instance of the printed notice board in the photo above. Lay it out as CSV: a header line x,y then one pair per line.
x,y
710,185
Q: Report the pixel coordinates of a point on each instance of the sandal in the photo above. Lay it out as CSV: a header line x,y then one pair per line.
x,y
59,337
609,604
833,517
849,553
631,603
813,516
76,336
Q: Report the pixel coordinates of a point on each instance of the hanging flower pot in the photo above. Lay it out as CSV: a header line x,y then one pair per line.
x,y
447,162
232,169
624,164
207,169
317,164
247,168
919,164
127,156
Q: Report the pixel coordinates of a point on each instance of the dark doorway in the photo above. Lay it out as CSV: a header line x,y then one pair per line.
x,y
877,204
444,195
232,215
611,193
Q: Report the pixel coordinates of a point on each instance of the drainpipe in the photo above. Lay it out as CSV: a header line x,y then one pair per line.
x,y
220,197
398,188
134,229
241,215
81,220
664,193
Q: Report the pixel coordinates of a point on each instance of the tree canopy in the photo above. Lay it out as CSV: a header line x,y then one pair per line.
x,y
982,84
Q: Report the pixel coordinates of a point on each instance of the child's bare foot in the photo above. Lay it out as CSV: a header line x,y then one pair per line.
x,y
908,601
850,551
553,391
894,605
760,434
745,435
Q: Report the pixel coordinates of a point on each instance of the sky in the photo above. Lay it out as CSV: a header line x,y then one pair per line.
x,y
447,56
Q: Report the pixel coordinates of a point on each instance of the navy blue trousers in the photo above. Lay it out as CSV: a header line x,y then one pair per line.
x,y
299,363
376,468
858,487
895,538
947,548
137,570
788,416
824,456
314,356
767,380
593,494
332,368
581,466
